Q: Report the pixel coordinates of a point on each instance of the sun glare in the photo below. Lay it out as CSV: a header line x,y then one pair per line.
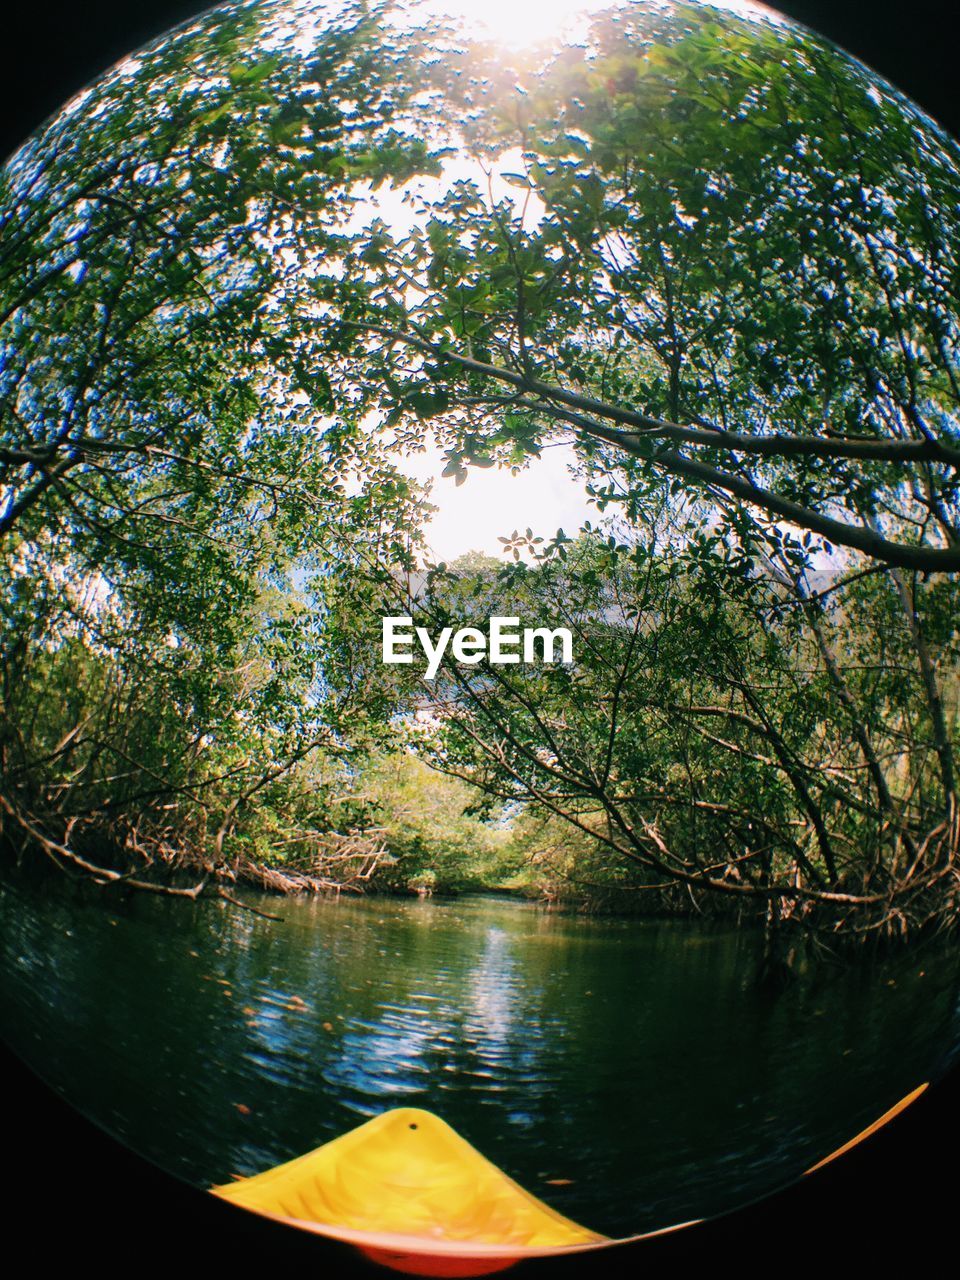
x,y
521,23
525,22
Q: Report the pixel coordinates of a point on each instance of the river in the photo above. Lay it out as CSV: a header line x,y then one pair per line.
x,y
631,1073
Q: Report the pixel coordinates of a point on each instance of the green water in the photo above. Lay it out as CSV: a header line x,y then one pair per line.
x,y
636,1061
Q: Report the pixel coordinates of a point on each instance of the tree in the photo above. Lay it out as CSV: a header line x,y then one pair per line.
x,y
730,267
723,264
178,494
254,265
724,739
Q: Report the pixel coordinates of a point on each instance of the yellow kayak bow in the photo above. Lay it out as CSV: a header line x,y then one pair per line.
x,y
413,1194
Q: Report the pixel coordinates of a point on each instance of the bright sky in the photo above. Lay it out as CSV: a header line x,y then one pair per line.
x,y
491,503
519,22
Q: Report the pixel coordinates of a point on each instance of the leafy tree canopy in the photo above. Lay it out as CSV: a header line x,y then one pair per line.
x,y
266,257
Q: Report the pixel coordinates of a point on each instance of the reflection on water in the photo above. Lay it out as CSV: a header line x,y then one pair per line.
x,y
633,1063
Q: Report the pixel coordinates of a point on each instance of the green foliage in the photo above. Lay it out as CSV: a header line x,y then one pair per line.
x,y
179,496
724,735
255,264
437,840
745,244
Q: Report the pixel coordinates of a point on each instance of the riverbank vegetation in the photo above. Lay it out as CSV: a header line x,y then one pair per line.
x,y
262,262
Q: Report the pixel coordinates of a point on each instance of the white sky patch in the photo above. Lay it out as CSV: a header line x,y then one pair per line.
x,y
521,23
491,503
404,206
525,22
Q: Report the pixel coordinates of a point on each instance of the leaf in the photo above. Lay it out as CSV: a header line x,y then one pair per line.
x,y
251,73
